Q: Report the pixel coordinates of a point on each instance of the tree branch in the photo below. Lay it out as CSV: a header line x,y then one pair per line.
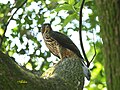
x,y
80,37
80,34
9,22
67,75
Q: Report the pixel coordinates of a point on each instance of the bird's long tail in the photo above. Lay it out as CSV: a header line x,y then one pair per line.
x,y
86,71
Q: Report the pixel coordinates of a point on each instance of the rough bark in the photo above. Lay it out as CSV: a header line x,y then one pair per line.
x,y
67,75
109,17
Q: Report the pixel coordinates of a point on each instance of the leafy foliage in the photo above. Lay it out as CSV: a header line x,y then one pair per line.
x,y
23,39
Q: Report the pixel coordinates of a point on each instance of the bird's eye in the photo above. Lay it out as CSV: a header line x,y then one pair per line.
x,y
47,26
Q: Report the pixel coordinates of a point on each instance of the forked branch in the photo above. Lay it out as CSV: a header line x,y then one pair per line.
x,y
80,37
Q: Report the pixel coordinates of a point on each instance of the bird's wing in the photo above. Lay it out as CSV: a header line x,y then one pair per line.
x,y
65,41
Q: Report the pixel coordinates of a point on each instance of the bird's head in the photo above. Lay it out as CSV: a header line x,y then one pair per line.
x,y
46,28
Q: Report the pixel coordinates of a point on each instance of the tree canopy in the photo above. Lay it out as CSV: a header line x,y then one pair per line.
x,y
23,40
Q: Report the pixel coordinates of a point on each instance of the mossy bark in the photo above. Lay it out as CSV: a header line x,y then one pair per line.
x,y
109,17
67,75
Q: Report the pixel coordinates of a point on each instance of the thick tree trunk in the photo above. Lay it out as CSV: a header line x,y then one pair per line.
x,y
109,16
67,75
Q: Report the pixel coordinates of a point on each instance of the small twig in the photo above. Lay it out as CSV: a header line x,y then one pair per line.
x,y
94,49
80,34
94,54
9,22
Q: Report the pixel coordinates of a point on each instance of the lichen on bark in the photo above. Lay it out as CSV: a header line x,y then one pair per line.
x,y
66,75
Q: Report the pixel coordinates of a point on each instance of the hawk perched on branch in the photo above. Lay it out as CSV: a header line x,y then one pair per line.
x,y
62,46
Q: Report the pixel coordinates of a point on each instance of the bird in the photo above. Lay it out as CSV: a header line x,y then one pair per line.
x,y
62,46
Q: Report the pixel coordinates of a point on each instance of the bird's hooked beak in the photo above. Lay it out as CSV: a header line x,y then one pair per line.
x,y
46,28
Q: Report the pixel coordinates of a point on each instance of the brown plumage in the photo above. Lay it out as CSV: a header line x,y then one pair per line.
x,y
62,46
59,44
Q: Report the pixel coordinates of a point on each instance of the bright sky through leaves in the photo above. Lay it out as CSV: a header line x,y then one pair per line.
x,y
23,33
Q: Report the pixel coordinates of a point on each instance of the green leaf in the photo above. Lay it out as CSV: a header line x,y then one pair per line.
x,y
64,7
78,4
18,3
88,1
71,2
52,5
22,51
15,29
27,20
69,18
